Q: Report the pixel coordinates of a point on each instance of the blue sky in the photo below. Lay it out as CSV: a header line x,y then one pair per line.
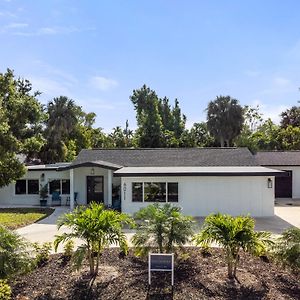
x,y
97,52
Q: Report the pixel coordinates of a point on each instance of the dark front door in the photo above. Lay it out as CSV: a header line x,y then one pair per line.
x,y
94,187
284,185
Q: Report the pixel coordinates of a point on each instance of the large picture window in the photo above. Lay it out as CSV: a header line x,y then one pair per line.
x,y
155,192
27,187
62,186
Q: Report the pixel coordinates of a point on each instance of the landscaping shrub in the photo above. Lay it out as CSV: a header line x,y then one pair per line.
x,y
14,256
42,253
161,227
98,228
233,234
68,249
5,290
287,249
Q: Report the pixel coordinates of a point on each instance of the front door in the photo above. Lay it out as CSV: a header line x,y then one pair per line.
x,y
284,185
94,187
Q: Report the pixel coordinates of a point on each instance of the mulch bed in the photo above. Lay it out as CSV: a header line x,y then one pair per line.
x,y
196,277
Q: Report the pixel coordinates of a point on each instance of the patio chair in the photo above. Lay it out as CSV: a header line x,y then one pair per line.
x,y
75,200
56,199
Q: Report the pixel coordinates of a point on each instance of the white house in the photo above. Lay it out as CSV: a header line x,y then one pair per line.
x,y
287,186
200,180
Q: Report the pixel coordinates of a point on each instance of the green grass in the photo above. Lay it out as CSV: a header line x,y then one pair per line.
x,y
14,218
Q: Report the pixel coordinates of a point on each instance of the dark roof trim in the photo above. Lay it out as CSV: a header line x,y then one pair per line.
x,y
102,164
232,174
43,169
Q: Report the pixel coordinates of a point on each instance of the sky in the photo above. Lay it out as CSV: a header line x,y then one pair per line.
x,y
97,52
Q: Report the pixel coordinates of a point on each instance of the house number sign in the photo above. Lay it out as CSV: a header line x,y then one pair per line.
x,y
159,262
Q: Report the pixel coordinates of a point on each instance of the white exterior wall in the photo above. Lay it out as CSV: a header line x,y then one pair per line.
x,y
200,196
8,196
296,178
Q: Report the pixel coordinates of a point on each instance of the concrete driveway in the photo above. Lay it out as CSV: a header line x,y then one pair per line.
x,y
46,229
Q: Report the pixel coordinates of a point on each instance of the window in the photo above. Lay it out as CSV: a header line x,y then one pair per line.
x,y
54,186
155,192
137,192
172,192
62,186
20,187
33,186
65,186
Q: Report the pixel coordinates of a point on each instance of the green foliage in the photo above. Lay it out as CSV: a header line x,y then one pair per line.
x,y
5,290
287,249
98,228
14,256
290,117
161,227
225,119
68,248
21,117
233,234
42,253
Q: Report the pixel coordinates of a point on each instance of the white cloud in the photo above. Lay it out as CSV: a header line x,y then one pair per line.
x,y
15,25
281,81
49,87
272,111
54,30
102,83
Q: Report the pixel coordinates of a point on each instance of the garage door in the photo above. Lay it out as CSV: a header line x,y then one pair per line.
x,y
284,185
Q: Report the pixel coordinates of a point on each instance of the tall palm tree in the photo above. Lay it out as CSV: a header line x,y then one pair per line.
x,y
63,117
233,234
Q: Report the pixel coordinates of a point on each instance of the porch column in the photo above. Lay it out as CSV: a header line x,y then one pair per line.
x,y
71,189
109,187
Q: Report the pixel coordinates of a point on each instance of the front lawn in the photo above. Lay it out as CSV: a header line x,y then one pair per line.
x,y
14,218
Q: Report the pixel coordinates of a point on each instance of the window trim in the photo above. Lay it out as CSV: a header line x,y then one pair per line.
x,y
26,187
60,185
143,191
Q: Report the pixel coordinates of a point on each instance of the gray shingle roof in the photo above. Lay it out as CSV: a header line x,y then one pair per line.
x,y
167,157
278,158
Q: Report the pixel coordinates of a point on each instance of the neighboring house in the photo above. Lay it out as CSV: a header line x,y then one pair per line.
x,y
287,186
200,180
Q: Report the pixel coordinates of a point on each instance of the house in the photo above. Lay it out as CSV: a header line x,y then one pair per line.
x,y
200,180
287,186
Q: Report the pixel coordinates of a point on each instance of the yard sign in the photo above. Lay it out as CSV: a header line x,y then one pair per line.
x,y
161,263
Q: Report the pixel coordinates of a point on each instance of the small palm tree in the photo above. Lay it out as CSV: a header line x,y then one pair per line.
x,y
161,227
287,249
98,228
233,234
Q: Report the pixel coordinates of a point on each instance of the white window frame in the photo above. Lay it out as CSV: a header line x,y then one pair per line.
x,y
26,187
60,185
143,190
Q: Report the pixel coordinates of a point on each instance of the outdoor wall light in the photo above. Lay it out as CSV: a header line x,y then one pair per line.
x,y
92,171
42,177
270,183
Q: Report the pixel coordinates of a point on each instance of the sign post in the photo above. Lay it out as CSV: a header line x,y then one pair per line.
x,y
161,262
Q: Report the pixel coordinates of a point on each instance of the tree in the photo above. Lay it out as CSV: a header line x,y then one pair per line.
x,y
233,234
287,249
98,228
290,117
224,119
200,135
161,227
149,123
14,257
21,117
